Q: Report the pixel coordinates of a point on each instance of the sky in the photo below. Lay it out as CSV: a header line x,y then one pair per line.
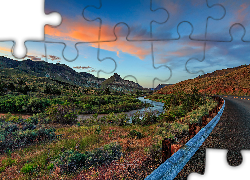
x,y
149,42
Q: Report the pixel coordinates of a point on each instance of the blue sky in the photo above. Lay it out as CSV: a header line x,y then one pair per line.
x,y
191,31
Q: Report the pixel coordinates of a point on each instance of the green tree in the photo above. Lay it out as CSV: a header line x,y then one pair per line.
x,y
106,91
62,113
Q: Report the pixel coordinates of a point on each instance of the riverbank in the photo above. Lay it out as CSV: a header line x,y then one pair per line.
x,y
157,107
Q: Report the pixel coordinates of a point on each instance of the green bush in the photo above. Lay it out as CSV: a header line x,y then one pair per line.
x,y
2,169
28,168
149,118
62,113
7,163
50,166
12,118
70,160
135,134
11,138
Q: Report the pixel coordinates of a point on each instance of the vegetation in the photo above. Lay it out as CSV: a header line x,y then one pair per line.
x,y
77,147
54,142
231,81
178,104
70,161
14,135
24,93
62,113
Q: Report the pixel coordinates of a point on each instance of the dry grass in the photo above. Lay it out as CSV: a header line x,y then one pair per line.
x,y
83,139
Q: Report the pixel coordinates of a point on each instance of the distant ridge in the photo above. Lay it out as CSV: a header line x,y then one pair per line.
x,y
161,86
117,83
231,81
66,74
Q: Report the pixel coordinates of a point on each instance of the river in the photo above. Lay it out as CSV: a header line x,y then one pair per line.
x,y
156,107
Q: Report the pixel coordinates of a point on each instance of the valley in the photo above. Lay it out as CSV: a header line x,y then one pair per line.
x,y
74,125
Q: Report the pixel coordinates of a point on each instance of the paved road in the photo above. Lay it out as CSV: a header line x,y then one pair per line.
x,y
232,132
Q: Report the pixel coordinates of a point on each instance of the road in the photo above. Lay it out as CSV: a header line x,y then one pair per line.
x,y
232,132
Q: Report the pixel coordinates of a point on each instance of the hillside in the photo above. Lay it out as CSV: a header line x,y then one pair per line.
x,y
222,72
63,73
57,71
232,81
15,81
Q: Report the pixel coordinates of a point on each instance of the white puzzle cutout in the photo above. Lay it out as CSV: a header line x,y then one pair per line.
x,y
24,21
217,167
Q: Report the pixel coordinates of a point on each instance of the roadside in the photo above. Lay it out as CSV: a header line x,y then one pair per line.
x,y
232,132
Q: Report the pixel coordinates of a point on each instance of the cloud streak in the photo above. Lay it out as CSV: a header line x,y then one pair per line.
x,y
34,58
82,67
52,57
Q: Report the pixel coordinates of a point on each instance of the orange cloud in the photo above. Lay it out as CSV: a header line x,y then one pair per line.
x,y
137,49
80,31
5,49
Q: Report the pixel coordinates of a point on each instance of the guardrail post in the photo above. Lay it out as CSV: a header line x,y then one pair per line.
x,y
194,129
204,120
211,114
166,149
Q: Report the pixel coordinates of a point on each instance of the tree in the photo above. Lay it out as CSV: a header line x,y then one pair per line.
x,y
11,87
62,113
106,91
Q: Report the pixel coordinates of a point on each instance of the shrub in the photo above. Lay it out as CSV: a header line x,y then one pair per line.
x,y
136,118
62,113
2,169
6,163
10,127
32,120
18,138
12,118
28,168
114,150
135,134
148,118
50,166
69,161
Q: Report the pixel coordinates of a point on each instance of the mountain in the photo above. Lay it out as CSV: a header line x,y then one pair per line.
x,y
57,71
64,73
161,86
116,83
231,81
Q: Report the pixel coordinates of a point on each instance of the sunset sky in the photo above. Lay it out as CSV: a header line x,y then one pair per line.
x,y
172,46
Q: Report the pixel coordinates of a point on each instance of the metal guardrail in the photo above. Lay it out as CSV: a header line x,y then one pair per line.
x,y
172,166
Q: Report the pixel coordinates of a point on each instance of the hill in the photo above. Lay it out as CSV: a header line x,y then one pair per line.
x,y
57,71
16,82
231,81
64,73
